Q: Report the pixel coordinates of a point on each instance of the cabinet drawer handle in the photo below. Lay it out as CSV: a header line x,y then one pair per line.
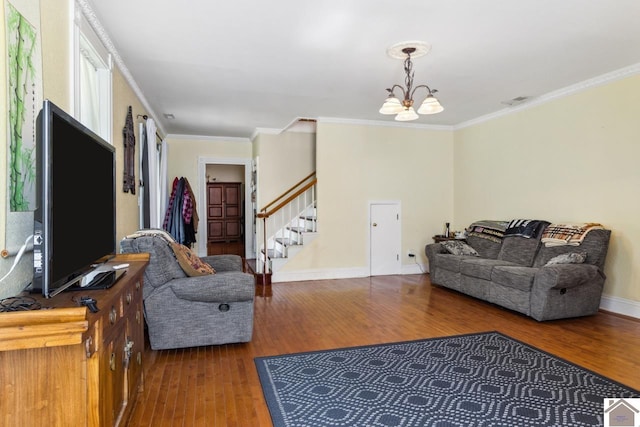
x,y
113,316
137,286
139,358
138,316
112,362
129,298
87,344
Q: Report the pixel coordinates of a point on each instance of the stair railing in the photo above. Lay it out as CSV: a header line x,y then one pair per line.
x,y
279,214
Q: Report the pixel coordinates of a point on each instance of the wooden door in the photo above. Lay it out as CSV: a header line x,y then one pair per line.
x,y
224,211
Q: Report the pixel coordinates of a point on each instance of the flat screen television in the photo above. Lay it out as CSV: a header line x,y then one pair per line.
x,y
75,217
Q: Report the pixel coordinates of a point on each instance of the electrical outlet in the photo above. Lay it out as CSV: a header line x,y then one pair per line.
x,y
410,253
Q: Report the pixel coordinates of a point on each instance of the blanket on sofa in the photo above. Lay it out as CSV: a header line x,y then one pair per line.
x,y
527,228
568,234
488,229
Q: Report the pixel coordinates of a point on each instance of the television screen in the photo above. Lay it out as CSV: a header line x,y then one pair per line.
x,y
74,222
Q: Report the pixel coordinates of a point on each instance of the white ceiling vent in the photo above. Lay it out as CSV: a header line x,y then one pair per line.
x,y
517,100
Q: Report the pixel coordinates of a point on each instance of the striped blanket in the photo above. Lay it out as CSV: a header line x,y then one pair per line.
x,y
568,234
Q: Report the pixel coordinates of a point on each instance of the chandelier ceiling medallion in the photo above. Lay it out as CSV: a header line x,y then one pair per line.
x,y
404,110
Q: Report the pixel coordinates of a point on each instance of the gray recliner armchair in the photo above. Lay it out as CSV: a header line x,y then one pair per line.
x,y
183,311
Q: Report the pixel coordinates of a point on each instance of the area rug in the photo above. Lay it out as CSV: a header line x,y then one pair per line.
x,y
485,379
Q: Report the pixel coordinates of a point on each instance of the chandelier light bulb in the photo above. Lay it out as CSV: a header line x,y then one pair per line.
x,y
430,105
406,115
391,105
403,109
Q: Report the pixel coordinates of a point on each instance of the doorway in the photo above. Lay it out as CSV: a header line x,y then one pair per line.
x,y
245,172
384,238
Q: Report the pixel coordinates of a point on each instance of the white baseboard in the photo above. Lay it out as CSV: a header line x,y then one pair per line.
x,y
620,306
342,273
414,269
319,274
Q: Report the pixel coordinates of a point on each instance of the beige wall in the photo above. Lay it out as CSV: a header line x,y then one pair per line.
x,y
57,59
225,173
572,159
283,160
127,210
185,151
358,164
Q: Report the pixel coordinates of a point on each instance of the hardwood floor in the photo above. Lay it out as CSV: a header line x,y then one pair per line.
x,y
219,386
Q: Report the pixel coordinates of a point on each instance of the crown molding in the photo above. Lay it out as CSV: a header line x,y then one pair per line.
x,y
602,80
208,138
265,131
92,19
394,124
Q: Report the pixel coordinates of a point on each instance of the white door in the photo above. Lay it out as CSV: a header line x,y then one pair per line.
x,y
385,239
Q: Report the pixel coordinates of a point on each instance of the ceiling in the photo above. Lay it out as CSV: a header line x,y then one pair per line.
x,y
227,68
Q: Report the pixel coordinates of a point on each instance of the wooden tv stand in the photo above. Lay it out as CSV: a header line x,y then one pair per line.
x,y
66,366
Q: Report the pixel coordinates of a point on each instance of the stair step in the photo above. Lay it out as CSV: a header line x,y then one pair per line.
x,y
308,218
299,229
272,253
286,242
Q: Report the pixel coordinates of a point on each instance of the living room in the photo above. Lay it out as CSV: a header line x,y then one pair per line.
x,y
569,157
591,122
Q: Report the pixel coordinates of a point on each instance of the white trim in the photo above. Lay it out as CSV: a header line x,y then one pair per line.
x,y
202,205
331,274
411,125
319,274
414,269
208,138
604,79
619,305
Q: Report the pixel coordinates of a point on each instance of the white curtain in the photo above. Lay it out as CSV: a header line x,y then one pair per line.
x,y
142,205
89,99
153,191
162,181
153,182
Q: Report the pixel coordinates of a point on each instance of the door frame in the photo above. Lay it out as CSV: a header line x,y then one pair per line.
x,y
202,211
384,202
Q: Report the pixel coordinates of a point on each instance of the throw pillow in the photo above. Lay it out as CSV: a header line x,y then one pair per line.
x,y
190,262
568,258
458,247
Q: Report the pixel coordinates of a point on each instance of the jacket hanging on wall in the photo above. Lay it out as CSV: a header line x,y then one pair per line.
x,y
181,218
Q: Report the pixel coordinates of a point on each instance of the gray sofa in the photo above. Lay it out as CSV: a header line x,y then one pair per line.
x,y
183,311
513,273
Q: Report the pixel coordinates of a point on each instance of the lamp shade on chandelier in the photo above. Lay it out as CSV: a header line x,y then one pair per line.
x,y
403,108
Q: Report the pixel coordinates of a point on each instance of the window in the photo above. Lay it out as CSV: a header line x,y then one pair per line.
x,y
92,75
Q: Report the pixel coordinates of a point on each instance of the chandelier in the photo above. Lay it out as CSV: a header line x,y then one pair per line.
x,y
404,110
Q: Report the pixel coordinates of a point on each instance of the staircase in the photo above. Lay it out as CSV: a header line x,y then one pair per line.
x,y
286,225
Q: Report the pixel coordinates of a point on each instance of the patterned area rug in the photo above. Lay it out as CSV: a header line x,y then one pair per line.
x,y
485,379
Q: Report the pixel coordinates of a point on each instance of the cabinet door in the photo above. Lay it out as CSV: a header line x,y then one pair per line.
x,y
112,380
224,211
215,201
135,334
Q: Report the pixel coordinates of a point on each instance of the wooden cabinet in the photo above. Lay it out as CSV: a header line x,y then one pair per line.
x,y
65,366
224,211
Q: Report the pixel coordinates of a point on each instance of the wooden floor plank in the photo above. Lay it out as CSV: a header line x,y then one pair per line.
x,y
219,385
